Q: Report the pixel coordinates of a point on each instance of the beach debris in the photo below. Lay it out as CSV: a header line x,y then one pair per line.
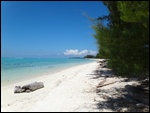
x,y
18,89
29,87
101,85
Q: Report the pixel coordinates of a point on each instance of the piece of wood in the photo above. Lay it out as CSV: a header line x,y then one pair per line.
x,y
33,86
105,84
29,87
18,89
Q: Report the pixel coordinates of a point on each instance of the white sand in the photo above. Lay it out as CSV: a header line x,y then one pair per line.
x,y
69,90
72,89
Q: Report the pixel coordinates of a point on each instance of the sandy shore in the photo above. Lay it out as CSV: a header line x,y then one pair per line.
x,y
73,90
69,90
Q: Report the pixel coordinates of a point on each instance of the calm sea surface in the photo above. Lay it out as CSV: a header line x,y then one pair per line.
x,y
15,69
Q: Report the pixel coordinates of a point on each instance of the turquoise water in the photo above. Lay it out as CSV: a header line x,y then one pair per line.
x,y
15,69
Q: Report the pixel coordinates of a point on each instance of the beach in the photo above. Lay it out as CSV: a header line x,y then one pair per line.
x,y
83,88
71,89
57,58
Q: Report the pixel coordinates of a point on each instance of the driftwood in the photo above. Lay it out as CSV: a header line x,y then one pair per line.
x,y
33,86
105,84
18,89
29,87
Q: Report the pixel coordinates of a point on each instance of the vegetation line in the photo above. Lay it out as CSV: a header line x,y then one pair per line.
x,y
123,37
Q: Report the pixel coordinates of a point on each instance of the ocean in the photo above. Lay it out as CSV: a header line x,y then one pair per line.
x,y
17,69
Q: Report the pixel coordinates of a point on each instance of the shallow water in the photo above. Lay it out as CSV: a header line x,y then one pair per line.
x,y
15,69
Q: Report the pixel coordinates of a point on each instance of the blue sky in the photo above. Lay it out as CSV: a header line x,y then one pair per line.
x,y
48,29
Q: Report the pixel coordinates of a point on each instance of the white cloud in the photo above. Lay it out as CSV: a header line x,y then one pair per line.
x,y
75,52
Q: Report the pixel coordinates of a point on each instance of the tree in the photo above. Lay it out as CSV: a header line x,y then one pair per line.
x,y
123,39
89,56
135,11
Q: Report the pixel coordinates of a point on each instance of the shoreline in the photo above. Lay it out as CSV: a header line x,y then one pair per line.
x,y
75,89
49,72
24,101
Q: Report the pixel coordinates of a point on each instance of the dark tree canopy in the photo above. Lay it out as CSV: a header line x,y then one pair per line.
x,y
125,38
89,56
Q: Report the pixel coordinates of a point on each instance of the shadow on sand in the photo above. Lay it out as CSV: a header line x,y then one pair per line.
x,y
116,99
102,72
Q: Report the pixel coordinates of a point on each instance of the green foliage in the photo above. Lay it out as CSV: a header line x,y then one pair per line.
x,y
134,11
89,56
101,33
123,40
